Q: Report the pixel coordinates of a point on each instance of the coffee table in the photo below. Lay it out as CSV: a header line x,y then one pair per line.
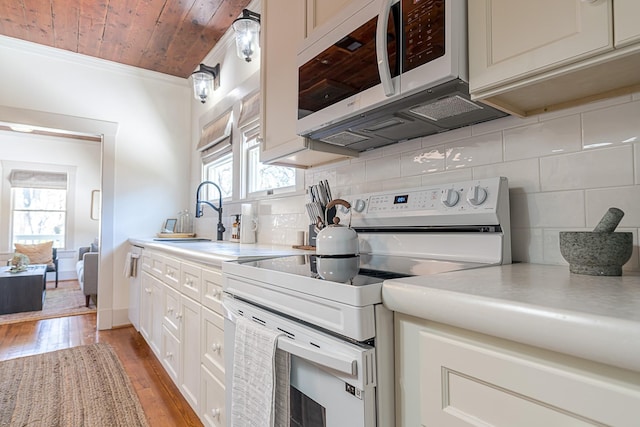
x,y
22,291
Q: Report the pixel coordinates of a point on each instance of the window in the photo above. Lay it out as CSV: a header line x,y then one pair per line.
x,y
220,171
215,147
38,207
262,177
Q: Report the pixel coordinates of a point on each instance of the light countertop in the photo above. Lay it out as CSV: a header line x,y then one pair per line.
x,y
596,318
215,252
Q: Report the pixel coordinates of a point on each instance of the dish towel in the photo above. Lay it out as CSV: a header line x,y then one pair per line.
x,y
127,265
260,384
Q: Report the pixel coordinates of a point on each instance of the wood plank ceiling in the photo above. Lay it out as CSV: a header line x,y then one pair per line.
x,y
168,36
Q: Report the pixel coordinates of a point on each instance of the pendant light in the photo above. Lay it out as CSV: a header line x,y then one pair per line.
x,y
205,81
247,29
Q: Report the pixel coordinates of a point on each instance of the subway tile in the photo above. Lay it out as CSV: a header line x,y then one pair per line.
x,y
402,147
503,123
554,209
419,162
598,201
591,106
480,150
379,169
353,173
444,137
398,183
587,169
523,175
526,245
455,175
542,139
615,125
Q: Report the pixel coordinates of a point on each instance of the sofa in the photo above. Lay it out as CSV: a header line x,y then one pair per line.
x,y
87,270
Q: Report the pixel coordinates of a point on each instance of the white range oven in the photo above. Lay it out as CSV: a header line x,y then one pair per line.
x,y
338,333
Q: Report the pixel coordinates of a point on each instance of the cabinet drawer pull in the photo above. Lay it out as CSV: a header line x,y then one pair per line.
x,y
147,290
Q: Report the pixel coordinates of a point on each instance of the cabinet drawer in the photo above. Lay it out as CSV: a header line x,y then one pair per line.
x,y
467,382
212,289
153,263
171,310
170,354
213,342
171,272
213,399
191,280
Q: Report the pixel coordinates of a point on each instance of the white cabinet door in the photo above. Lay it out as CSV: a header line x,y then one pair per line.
x,y
155,337
146,308
171,310
282,35
213,412
213,342
513,39
320,11
170,355
190,351
627,26
448,377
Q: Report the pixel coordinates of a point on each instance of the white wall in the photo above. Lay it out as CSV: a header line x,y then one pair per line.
x,y
145,119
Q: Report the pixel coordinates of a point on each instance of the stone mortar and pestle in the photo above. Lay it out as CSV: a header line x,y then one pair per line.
x,y
600,252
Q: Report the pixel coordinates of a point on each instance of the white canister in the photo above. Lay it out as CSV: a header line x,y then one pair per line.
x,y
249,224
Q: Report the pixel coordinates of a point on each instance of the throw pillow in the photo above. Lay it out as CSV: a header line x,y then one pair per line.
x,y
41,253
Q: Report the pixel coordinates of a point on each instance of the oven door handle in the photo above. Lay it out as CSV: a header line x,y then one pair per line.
x,y
338,362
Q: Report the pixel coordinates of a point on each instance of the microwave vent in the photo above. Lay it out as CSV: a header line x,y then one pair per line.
x,y
344,138
445,108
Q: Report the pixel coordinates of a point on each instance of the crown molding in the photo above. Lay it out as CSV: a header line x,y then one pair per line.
x,y
88,61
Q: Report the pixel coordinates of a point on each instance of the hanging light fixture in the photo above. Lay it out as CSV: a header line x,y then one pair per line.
x,y
247,29
205,81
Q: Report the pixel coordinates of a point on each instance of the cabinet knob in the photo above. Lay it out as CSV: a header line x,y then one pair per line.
x,y
147,290
169,310
178,316
215,412
169,355
216,347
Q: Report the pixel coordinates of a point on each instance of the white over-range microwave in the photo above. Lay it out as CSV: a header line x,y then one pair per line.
x,y
385,71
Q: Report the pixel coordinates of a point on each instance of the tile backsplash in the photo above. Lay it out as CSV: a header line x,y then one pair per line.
x,y
565,169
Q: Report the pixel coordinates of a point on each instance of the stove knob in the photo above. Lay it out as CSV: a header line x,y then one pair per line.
x,y
476,195
449,197
359,205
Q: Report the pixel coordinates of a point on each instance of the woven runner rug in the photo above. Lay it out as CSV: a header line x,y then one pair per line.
x,y
79,386
66,300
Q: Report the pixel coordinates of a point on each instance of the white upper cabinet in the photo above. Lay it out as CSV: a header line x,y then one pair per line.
x,y
320,11
282,34
627,29
527,57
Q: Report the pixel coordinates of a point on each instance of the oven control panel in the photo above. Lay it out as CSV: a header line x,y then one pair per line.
x,y
479,200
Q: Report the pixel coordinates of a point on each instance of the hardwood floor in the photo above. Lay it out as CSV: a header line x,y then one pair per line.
x,y
160,398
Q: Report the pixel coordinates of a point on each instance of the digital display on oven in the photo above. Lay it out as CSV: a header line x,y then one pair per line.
x,y
400,199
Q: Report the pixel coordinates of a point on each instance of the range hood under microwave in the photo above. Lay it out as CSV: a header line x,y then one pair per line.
x,y
385,71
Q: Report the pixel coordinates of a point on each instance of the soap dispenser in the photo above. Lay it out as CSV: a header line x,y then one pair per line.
x,y
235,230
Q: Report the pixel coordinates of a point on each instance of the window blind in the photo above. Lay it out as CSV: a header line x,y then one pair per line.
x,y
216,133
250,110
38,179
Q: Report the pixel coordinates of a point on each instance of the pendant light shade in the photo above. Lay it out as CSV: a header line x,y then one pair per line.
x,y
247,29
205,81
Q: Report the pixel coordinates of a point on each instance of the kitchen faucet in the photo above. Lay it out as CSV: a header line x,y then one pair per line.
x,y
199,202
